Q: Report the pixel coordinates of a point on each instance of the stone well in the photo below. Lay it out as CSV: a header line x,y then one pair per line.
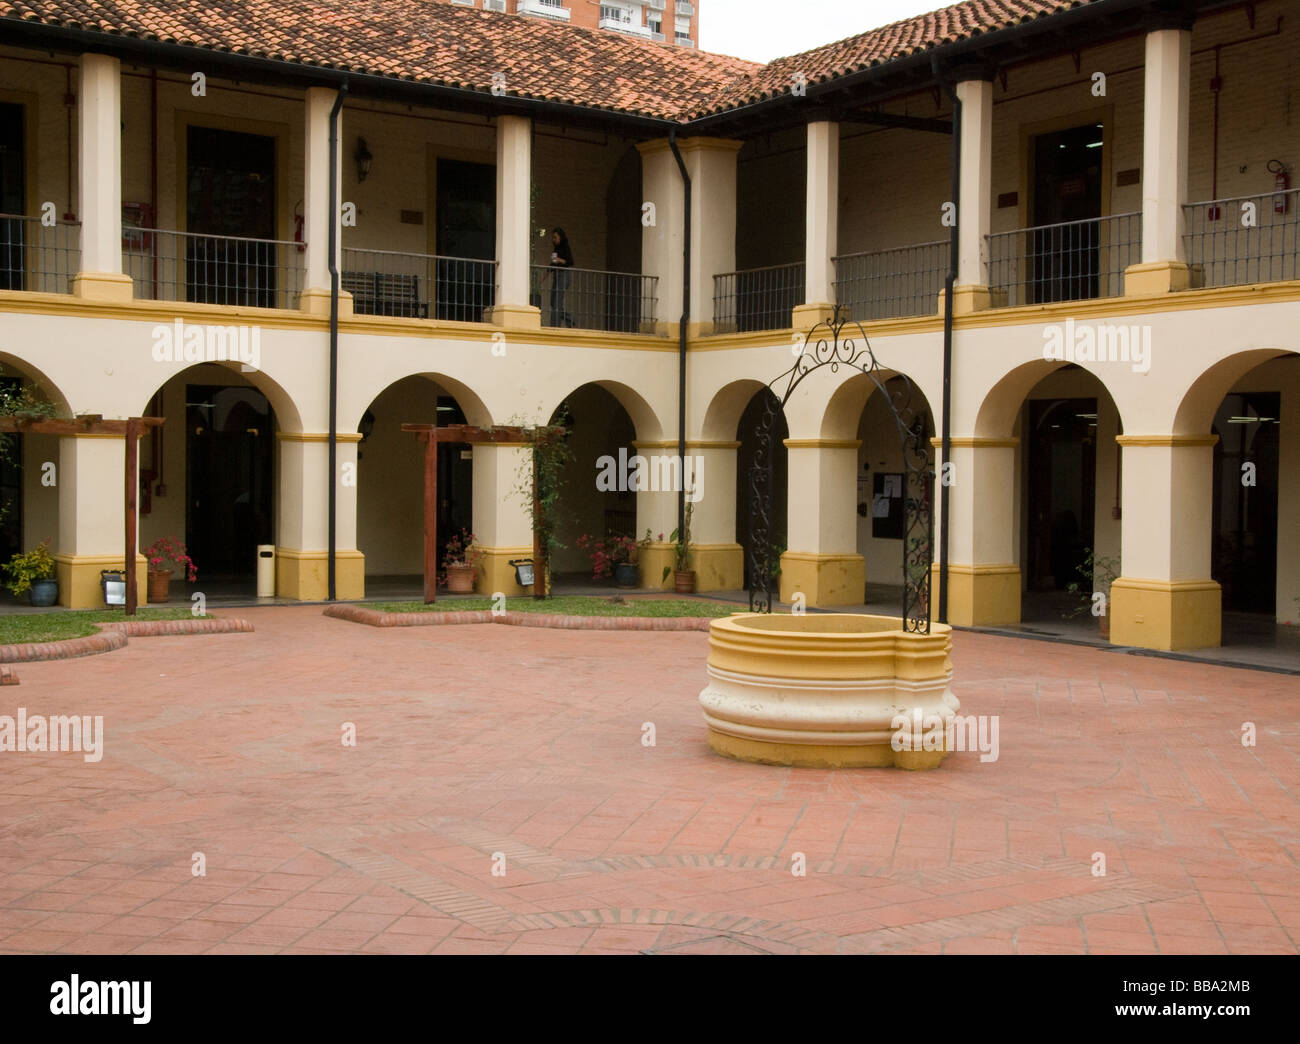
x,y
821,690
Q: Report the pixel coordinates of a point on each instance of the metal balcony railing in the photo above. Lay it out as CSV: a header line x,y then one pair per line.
x,y
591,299
38,257
1246,239
1070,261
418,286
757,298
891,284
226,270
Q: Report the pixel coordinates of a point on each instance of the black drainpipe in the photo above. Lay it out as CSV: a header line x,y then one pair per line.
x,y
681,333
334,330
950,281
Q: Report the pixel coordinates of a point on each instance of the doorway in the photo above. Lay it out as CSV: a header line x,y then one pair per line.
x,y
1067,187
13,195
230,192
1062,490
465,228
230,431
1244,554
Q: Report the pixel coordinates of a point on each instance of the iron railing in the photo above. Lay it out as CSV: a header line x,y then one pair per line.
x,y
418,286
591,299
38,257
890,284
1246,239
757,298
1070,261
225,270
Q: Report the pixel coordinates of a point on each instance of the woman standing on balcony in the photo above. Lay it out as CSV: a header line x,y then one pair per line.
x,y
561,261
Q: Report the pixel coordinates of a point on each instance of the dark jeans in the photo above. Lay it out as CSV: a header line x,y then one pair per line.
x,y
559,284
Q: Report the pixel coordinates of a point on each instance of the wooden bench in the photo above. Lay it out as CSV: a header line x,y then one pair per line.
x,y
384,293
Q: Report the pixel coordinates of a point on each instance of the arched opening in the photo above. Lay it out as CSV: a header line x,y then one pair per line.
x,y
598,499
390,479
29,505
746,433
209,475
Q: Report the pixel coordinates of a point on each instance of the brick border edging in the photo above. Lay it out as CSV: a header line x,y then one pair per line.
x,y
112,636
375,618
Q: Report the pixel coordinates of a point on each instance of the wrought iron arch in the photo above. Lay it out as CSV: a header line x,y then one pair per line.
x,y
826,345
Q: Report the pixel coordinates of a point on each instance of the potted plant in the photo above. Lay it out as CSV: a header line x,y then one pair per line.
x,y
683,574
1100,571
460,562
614,556
165,555
33,573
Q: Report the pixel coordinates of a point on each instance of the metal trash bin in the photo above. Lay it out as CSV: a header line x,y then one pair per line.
x,y
265,570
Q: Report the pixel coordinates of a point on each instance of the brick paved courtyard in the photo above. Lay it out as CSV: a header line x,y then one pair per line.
x,y
524,746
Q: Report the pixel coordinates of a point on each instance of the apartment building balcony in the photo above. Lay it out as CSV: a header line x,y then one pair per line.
x,y
418,286
1067,261
38,257
757,298
593,299
891,284
543,9
205,269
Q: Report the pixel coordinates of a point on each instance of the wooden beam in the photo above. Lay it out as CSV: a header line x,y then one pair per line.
x,y
76,426
133,432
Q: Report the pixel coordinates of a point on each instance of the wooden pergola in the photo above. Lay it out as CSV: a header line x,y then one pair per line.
x,y
432,435
94,424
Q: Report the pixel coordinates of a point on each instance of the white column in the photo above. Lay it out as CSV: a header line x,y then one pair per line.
x,y
502,517
316,203
822,213
514,182
975,207
99,179
1164,164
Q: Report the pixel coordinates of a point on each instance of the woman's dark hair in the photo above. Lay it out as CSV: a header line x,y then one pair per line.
x,y
560,232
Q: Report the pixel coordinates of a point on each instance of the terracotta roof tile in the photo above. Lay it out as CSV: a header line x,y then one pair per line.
x,y
425,41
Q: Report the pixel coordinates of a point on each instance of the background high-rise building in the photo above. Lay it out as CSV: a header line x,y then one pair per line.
x,y
669,21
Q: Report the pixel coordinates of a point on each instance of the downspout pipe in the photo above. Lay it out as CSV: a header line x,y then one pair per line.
x,y
681,332
334,334
949,282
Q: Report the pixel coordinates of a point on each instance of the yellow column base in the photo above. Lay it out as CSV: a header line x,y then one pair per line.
x,y
806,316
520,317
103,286
1156,277
807,755
653,559
497,576
1166,614
78,577
304,575
718,567
973,298
978,595
824,580
317,302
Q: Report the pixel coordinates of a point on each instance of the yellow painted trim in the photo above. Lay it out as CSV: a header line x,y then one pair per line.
x,y
720,444
317,436
822,443
1007,569
977,442
1167,440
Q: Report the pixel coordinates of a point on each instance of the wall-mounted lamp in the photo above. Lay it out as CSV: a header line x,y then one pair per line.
x,y
364,159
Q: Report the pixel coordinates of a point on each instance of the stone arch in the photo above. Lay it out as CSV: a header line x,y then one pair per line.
x,y
1198,404
23,368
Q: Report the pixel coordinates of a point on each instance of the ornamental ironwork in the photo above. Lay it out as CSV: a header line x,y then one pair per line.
x,y
839,342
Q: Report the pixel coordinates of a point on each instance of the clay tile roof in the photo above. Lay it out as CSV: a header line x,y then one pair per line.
x,y
426,41
880,46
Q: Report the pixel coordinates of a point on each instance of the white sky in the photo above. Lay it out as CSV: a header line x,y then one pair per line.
x,y
761,30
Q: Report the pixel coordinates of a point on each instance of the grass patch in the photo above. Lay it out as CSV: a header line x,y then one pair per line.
x,y
56,625
567,605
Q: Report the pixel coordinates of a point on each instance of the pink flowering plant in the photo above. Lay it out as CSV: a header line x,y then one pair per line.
x,y
461,550
167,554
607,552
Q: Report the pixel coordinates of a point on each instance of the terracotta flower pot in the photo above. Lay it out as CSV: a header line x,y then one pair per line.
x,y
460,578
684,581
160,581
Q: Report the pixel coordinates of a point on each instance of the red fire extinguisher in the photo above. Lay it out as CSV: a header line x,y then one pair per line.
x,y
1281,184
298,228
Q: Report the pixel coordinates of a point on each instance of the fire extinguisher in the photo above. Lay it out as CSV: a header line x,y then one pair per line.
x,y
298,228
1281,184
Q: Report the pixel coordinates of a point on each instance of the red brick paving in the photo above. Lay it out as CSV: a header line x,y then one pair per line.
x,y
527,742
